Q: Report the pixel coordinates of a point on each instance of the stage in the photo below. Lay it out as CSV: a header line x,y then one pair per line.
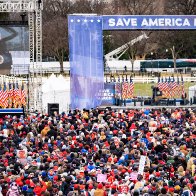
x,y
149,107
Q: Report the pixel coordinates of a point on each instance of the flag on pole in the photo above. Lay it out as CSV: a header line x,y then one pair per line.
x,y
160,84
164,87
1,96
130,89
118,88
10,95
5,96
173,87
169,86
178,88
182,88
16,95
125,87
23,95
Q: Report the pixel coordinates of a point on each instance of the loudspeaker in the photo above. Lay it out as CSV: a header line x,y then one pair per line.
x,y
53,107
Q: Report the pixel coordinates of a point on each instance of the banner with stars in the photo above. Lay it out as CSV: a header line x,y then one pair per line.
x,y
86,60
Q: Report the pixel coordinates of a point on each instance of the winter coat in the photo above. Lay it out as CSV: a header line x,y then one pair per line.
x,y
99,192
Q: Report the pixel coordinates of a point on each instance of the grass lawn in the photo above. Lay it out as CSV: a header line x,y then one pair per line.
x,y
145,89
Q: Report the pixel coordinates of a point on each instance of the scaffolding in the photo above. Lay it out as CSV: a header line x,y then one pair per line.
x,y
34,9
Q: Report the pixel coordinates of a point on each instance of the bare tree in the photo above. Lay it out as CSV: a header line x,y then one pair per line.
x,y
53,8
55,27
187,7
55,39
176,42
132,7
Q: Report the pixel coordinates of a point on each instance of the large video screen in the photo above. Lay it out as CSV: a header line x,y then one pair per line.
x,y
14,50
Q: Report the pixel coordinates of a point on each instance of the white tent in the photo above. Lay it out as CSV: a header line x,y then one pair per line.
x,y
56,90
192,92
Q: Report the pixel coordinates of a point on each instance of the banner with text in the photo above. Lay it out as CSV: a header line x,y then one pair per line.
x,y
118,22
107,95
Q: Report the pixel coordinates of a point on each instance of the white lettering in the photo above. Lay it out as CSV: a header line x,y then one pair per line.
x,y
127,22
186,22
144,22
195,22
153,23
111,22
119,22
167,22
134,22
161,22
178,22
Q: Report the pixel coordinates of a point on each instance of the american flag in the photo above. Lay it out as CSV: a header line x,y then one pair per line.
x,y
178,88
1,95
173,87
130,89
169,87
10,95
125,87
5,97
118,89
159,83
23,95
165,87
16,96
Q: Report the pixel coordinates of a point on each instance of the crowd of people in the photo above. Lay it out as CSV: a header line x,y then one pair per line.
x,y
99,152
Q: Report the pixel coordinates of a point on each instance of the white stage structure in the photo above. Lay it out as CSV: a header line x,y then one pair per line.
x,y
56,90
34,9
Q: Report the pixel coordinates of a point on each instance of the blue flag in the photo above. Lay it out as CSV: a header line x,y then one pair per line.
x,y
86,60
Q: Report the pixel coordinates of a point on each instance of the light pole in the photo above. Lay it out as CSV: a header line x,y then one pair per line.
x,y
151,60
